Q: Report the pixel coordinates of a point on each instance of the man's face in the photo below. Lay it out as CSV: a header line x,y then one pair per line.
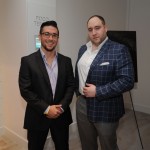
x,y
49,38
97,31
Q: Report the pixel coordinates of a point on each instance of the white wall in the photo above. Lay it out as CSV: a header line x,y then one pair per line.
x,y
139,21
71,16
1,49
14,37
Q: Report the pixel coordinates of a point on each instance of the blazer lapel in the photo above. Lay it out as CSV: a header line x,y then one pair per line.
x,y
43,68
98,58
60,74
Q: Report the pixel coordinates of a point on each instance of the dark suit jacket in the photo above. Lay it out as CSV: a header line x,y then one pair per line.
x,y
112,73
35,88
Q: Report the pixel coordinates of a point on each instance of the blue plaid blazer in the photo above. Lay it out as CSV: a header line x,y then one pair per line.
x,y
112,73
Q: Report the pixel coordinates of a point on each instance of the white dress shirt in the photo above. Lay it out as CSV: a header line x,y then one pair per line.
x,y
85,63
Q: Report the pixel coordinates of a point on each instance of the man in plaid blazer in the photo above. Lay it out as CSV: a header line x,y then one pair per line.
x,y
104,70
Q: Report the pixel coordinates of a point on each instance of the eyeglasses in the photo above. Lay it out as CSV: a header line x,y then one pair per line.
x,y
47,35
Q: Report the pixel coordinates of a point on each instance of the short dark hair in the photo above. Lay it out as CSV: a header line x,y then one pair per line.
x,y
49,23
100,18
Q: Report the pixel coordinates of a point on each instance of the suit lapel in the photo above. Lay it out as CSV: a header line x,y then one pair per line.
x,y
43,68
60,74
98,58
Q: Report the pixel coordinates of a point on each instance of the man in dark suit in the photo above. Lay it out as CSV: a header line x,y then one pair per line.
x,y
104,70
46,83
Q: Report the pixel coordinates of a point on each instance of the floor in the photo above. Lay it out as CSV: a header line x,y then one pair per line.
x,y
9,144
128,136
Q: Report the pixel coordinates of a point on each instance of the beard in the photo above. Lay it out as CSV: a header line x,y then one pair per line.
x,y
98,41
48,49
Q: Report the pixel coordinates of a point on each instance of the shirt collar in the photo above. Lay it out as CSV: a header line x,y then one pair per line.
x,y
89,44
43,55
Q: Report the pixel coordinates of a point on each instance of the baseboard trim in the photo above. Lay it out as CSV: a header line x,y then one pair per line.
x,y
140,108
143,108
12,135
1,130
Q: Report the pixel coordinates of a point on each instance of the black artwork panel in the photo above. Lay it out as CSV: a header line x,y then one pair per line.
x,y
127,38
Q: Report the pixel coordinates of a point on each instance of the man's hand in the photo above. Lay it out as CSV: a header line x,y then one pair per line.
x,y
55,111
89,90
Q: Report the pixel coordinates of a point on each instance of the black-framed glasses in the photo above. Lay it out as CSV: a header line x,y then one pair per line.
x,y
47,35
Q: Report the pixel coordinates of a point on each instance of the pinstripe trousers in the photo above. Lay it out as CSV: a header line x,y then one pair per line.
x,y
90,132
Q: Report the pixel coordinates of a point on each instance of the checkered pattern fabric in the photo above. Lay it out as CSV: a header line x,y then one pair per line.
x,y
113,74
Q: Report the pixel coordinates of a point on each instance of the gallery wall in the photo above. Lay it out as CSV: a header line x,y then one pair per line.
x,y
14,42
71,15
1,48
139,21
